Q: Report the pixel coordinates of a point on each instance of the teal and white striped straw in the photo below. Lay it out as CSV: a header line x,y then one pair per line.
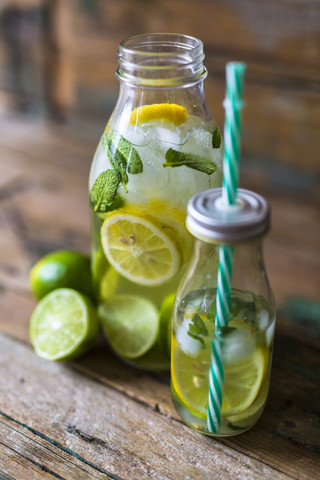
x,y
233,105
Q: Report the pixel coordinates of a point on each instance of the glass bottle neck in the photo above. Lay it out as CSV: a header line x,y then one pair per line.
x,y
161,61
248,270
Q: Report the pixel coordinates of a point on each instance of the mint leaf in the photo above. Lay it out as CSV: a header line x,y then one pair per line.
x,y
216,138
211,312
223,331
122,156
197,329
104,190
177,159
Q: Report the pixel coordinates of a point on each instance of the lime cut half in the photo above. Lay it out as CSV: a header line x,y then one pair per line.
x,y
130,324
63,325
140,247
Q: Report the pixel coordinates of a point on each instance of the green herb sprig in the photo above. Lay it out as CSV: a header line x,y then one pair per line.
x,y
124,159
104,190
216,138
197,329
177,159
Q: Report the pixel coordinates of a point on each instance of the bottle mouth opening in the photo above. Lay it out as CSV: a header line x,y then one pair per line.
x,y
161,44
161,59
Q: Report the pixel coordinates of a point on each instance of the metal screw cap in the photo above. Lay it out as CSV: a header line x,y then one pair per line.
x,y
209,219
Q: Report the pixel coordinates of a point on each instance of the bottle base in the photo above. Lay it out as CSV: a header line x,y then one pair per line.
x,y
229,426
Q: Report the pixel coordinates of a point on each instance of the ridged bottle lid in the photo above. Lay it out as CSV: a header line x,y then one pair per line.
x,y
209,219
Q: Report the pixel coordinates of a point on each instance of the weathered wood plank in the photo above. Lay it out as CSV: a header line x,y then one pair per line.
x,y
114,432
48,143
26,455
250,28
290,419
279,41
288,427
15,310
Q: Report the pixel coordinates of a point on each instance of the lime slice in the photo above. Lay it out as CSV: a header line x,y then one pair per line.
x,y
168,112
130,324
165,324
105,277
62,269
189,378
243,381
63,325
140,248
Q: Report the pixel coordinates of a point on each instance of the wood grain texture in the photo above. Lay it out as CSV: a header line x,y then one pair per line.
x,y
279,41
121,436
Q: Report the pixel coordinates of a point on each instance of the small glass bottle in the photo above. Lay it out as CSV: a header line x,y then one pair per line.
x,y
160,146
247,339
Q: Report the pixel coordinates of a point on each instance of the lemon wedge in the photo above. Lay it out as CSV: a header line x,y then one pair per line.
x,y
140,247
167,112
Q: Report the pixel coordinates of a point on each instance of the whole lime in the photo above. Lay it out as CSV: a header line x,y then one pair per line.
x,y
62,269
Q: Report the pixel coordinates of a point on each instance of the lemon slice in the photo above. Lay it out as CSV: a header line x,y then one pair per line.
x,y
189,379
245,419
140,247
167,112
243,381
130,324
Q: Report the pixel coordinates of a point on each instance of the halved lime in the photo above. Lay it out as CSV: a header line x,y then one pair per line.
x,y
140,247
130,324
63,325
62,269
169,112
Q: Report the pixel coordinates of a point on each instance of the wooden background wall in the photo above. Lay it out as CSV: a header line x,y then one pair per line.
x,y
58,57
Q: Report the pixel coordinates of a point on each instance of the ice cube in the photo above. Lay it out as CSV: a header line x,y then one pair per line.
x,y
188,344
238,345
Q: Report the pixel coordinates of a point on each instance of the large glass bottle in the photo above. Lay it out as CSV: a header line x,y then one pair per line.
x,y
246,341
160,146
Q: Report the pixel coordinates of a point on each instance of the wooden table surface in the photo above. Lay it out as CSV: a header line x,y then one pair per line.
x,y
96,417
